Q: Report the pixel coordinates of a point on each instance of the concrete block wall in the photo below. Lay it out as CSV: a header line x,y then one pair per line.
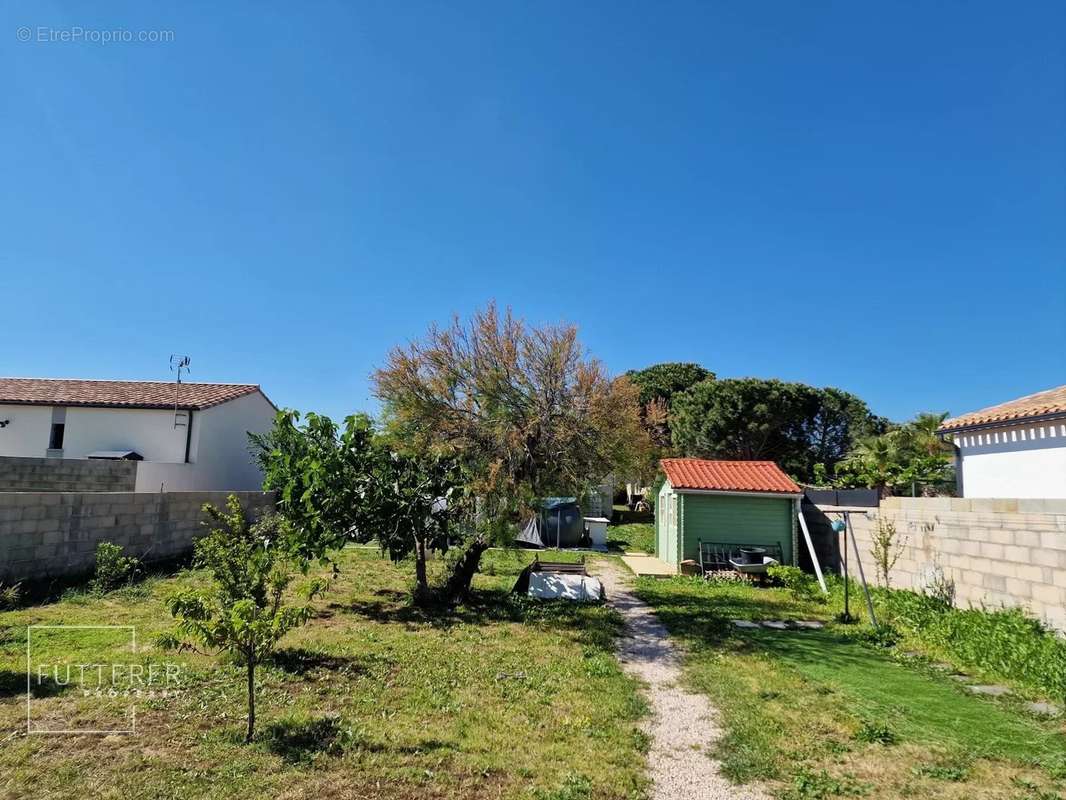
x,y
55,534
66,475
999,552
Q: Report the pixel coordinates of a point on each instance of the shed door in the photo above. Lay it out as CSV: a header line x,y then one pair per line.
x,y
671,530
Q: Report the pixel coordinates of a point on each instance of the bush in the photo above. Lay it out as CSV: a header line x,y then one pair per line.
x,y
802,586
113,569
10,596
875,733
1006,642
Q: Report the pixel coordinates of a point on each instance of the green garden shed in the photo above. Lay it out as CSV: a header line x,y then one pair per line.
x,y
728,504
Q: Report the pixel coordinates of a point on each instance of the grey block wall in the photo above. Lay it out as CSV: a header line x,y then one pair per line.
x,y
54,534
998,552
66,475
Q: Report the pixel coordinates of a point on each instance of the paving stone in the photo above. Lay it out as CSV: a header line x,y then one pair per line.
x,y
992,690
744,623
960,678
775,624
1043,709
809,624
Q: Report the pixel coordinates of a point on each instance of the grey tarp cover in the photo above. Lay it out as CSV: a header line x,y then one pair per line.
x,y
531,533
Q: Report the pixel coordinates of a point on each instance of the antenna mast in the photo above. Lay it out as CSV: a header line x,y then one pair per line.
x,y
177,364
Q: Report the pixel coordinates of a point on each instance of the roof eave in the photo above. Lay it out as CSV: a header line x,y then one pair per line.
x,y
745,492
1002,423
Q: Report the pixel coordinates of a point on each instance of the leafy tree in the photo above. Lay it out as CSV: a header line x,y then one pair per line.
x,y
796,425
416,499
658,384
242,613
523,410
322,474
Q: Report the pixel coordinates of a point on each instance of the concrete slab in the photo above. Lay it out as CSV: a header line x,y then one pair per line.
x,y
1043,709
649,566
990,690
809,624
744,623
775,624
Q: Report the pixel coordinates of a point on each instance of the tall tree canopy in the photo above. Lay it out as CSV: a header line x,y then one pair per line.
x,y
658,384
796,425
523,409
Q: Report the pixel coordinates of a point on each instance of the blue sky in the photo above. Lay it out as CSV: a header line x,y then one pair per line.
x,y
864,195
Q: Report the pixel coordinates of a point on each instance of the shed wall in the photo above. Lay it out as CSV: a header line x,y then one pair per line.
x,y
745,519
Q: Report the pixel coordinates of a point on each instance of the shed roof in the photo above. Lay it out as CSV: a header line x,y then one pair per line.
x,y
699,474
119,394
1041,404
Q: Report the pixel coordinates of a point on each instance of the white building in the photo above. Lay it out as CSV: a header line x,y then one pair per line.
x,y
190,436
1015,449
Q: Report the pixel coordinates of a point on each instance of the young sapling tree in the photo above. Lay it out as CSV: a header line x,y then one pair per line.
x,y
242,613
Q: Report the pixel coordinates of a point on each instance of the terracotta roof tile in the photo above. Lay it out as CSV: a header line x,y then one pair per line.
x,y
119,394
1052,401
728,476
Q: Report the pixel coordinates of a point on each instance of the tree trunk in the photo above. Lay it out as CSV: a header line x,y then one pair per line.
x,y
251,699
459,581
421,581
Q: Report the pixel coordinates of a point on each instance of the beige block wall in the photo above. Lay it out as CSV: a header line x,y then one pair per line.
x,y
999,552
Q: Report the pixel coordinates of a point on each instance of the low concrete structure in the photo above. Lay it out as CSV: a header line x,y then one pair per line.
x,y
649,566
67,475
55,534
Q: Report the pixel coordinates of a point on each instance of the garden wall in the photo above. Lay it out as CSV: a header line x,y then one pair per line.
x,y
54,534
19,474
999,552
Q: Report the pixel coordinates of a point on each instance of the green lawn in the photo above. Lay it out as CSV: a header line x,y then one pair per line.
x,y
504,698
823,713
639,536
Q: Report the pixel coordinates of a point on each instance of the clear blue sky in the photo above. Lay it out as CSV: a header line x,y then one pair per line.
x,y
865,195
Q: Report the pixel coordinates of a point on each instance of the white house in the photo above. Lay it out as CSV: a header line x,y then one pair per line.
x,y
189,436
1015,449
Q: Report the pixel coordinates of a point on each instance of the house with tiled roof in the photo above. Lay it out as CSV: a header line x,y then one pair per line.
x,y
720,507
184,436
1013,449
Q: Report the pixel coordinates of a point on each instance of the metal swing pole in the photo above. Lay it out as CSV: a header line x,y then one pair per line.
x,y
858,560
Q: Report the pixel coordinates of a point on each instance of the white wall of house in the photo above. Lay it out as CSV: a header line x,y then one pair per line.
x,y
219,458
1020,461
150,432
222,441
26,433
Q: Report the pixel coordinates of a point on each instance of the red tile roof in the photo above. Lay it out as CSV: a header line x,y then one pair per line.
x,y
119,394
728,476
1052,401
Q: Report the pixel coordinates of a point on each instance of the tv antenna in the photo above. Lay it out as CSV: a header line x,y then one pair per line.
x,y
177,364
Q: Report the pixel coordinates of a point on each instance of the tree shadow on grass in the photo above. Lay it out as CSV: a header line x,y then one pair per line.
x,y
591,624
13,684
300,741
301,661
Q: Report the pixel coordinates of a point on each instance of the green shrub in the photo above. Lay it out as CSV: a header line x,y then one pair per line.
x,y
802,586
113,569
1005,642
10,596
875,733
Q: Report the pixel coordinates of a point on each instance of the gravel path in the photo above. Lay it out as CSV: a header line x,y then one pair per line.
x,y
683,724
